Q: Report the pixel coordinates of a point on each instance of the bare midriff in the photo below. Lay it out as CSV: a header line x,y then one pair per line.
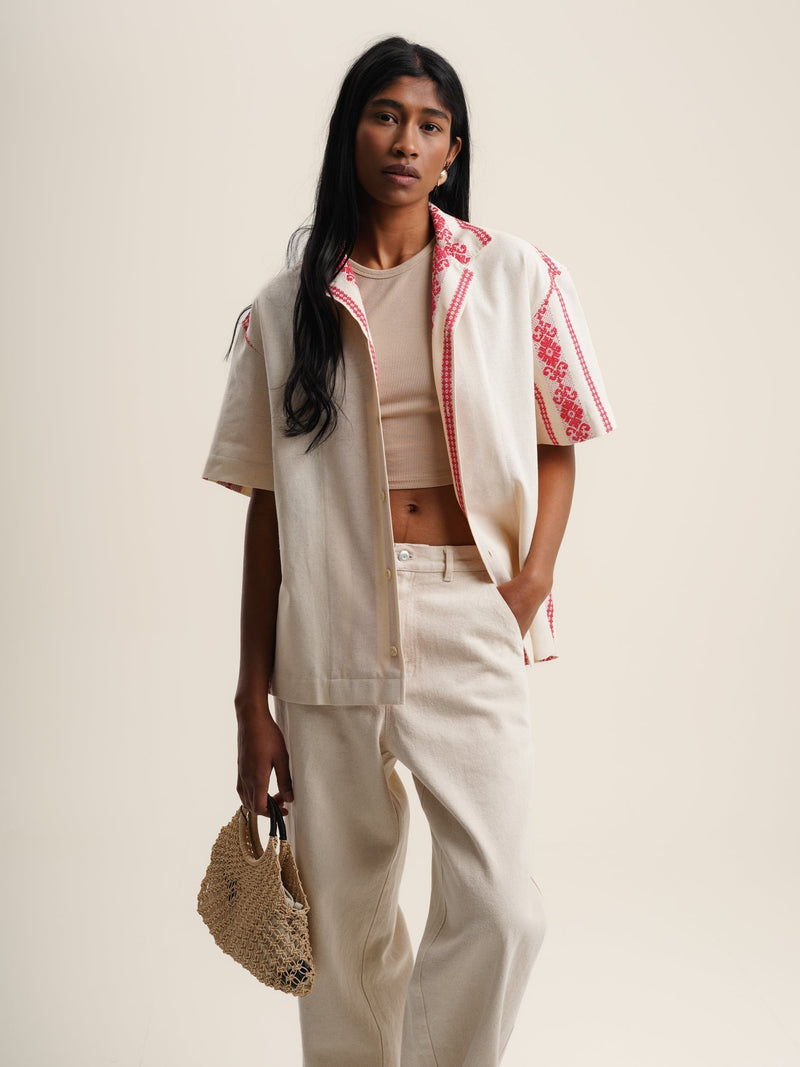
x,y
429,516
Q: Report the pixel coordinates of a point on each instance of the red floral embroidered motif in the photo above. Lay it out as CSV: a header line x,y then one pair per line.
x,y
545,337
566,400
444,248
553,366
556,369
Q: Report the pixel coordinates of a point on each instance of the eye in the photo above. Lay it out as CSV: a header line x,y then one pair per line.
x,y
384,115
431,127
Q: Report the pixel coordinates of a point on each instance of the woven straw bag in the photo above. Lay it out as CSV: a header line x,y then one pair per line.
x,y
253,903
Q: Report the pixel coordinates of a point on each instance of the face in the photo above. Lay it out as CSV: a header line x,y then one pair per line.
x,y
403,142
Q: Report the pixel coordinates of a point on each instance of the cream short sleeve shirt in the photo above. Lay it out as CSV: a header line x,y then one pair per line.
x,y
514,366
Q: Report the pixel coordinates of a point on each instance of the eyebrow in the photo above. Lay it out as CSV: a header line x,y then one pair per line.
x,y
384,101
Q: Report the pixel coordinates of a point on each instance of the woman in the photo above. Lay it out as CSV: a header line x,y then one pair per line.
x,y
401,408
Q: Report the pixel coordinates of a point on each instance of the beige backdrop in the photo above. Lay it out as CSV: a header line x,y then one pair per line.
x,y
157,157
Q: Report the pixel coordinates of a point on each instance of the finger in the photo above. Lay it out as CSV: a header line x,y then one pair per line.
x,y
284,777
260,794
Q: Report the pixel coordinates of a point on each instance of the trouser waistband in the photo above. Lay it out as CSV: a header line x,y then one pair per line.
x,y
437,559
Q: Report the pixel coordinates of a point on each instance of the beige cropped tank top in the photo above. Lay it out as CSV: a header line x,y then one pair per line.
x,y
398,306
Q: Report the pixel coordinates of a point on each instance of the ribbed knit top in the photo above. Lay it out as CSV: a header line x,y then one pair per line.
x,y
398,306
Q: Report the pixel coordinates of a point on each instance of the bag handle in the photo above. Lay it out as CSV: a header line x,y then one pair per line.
x,y
275,817
276,821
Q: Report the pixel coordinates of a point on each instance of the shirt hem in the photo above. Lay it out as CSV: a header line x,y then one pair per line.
x,y
339,691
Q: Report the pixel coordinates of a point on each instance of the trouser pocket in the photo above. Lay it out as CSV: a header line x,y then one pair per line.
x,y
505,615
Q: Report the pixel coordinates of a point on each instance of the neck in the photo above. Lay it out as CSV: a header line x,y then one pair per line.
x,y
388,236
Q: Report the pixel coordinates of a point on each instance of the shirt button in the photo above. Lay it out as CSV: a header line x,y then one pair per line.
x,y
388,573
404,554
393,650
383,495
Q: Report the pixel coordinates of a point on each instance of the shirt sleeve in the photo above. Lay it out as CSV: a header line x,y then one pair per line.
x,y
240,457
571,400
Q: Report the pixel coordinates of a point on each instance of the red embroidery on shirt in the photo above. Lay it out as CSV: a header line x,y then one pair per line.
x,y
571,413
553,366
556,369
551,266
550,613
543,413
228,485
356,309
447,381
345,269
439,224
245,324
549,350
444,248
482,235
584,368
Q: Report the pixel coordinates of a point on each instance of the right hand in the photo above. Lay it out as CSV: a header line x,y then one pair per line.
x,y
262,747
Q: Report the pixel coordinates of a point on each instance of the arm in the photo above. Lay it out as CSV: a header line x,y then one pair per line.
x,y
260,742
527,592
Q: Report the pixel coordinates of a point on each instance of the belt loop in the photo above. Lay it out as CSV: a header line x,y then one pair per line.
x,y
448,563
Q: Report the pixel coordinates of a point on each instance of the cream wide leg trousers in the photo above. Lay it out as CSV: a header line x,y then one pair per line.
x,y
464,732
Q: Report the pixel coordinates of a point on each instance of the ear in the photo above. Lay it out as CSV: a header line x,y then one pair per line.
x,y
455,148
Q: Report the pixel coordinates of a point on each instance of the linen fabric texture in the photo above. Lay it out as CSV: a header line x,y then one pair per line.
x,y
465,733
514,366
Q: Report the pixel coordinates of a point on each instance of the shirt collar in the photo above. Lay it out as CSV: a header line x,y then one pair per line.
x,y
457,242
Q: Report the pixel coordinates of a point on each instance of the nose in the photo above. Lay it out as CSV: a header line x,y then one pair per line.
x,y
406,142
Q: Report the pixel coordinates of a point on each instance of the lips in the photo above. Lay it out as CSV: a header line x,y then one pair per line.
x,y
404,171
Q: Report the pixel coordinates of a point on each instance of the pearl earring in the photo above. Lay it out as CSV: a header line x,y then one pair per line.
x,y
443,176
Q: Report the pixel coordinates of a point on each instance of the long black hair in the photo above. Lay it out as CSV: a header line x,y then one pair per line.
x,y
309,403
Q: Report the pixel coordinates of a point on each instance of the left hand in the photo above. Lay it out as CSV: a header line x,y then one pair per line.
x,y
524,596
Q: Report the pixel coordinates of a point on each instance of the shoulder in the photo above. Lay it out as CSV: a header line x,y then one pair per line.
x,y
518,264
514,253
278,293
486,249
269,315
